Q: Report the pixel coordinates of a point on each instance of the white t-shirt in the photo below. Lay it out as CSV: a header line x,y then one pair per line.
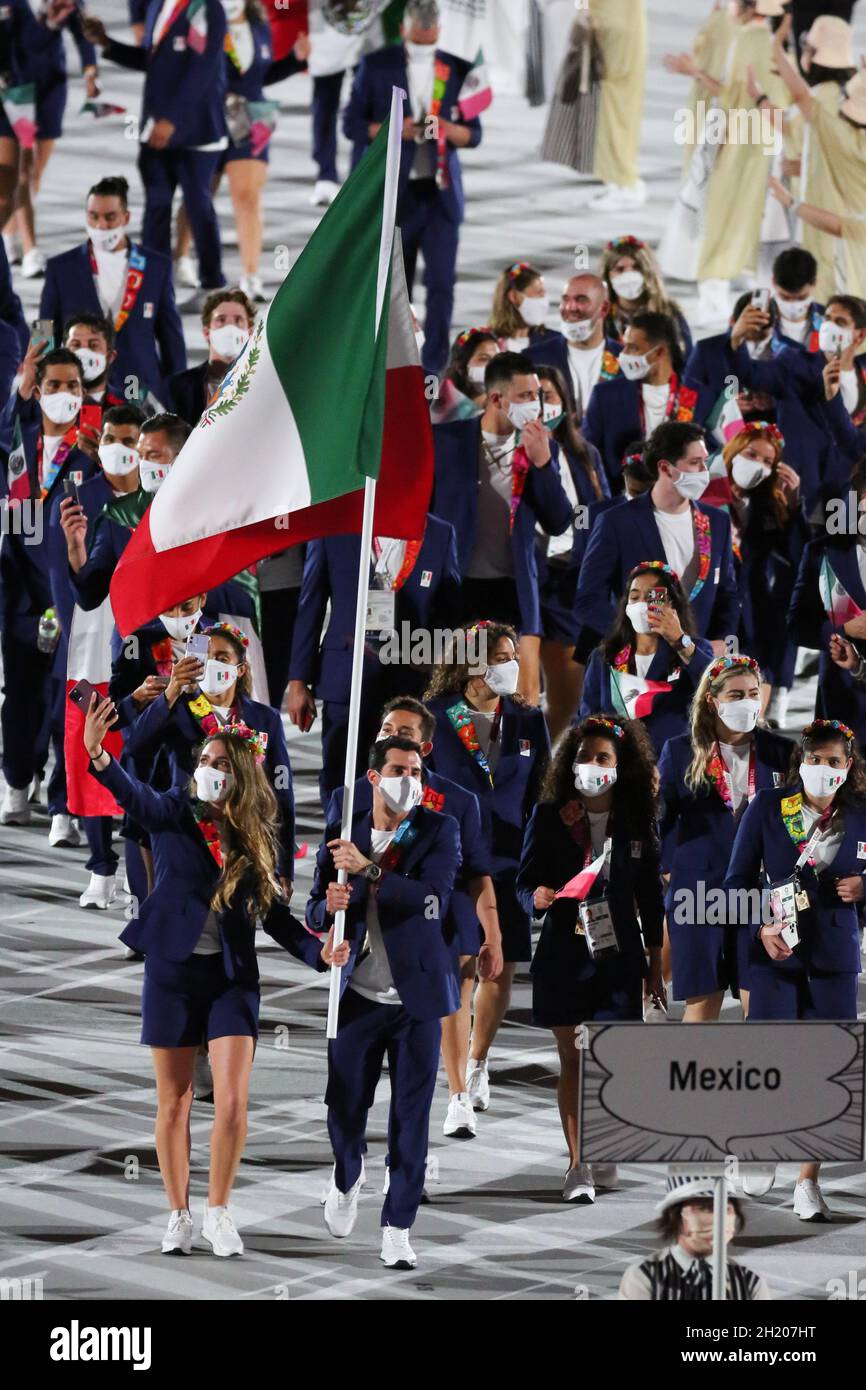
x,y
562,545
798,329
111,273
585,367
735,756
643,663
243,42
491,557
848,387
50,444
655,400
677,530
825,850
373,978
598,832
420,74
483,721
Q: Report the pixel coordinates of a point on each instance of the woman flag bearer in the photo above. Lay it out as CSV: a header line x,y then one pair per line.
x,y
214,852
805,843
589,867
707,780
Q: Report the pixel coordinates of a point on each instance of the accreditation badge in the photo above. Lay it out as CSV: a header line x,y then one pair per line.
x,y
596,925
381,608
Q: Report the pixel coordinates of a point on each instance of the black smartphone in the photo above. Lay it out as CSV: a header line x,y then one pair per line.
x,y
81,692
70,487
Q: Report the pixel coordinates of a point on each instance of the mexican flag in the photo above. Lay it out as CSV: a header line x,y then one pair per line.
x,y
476,94
633,697
725,419
88,658
327,391
197,33
837,602
19,104
579,886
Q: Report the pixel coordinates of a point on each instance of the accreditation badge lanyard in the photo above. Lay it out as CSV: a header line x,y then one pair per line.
x,y
788,898
134,282
596,922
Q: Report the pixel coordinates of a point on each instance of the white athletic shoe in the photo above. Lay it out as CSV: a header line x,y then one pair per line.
x,y
324,193
777,709
202,1079
16,808
614,198
99,892
32,264
35,791
185,273
130,953
178,1236
63,833
604,1177
397,1253
757,1184
13,248
341,1208
253,288
809,1204
578,1185
218,1230
478,1083
460,1121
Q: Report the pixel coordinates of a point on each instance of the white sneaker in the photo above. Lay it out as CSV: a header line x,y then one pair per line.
x,y
32,264
397,1253
202,1079
130,953
35,791
809,1204
757,1184
460,1120
63,833
777,709
604,1177
478,1083
16,808
324,193
614,198
341,1208
218,1230
13,248
178,1236
99,892
185,273
578,1185
253,288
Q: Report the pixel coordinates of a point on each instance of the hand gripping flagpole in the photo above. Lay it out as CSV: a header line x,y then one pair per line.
x,y
386,243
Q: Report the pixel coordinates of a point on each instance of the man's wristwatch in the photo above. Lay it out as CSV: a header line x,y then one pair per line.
x,y
685,644
372,873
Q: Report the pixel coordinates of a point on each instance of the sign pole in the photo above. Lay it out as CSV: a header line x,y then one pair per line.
x,y
720,1246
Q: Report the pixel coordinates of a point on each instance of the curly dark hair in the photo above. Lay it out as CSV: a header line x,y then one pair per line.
x,y
852,794
633,797
621,633
452,676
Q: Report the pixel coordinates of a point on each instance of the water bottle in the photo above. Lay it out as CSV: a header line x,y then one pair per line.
x,y
49,631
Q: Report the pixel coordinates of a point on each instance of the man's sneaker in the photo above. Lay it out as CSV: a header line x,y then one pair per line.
x,y
35,790
341,1208
460,1121
178,1236
63,833
218,1230
478,1084
33,264
614,198
253,288
604,1177
130,953
397,1253
202,1080
757,1184
809,1204
13,248
16,808
185,273
324,193
579,1185
99,892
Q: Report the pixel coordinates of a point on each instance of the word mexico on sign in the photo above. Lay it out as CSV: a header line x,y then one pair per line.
x,y
763,1092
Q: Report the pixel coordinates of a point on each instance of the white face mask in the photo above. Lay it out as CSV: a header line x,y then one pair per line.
x,y
502,679
93,364
420,52
634,366
218,676
105,238
534,310
592,779
228,340
401,793
476,373
637,616
180,627
577,332
820,780
749,473
61,407
153,475
520,413
235,9
692,485
552,413
794,309
740,716
118,459
212,785
834,337
629,284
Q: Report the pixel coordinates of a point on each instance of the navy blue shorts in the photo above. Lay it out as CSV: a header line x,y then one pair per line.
x,y
790,990
556,598
187,1002
244,150
50,106
564,993
708,959
467,929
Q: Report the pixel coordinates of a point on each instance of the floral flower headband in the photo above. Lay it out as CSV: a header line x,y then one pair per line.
x,y
519,268
253,738
469,333
598,721
654,565
818,726
629,460
765,428
622,241
230,631
731,663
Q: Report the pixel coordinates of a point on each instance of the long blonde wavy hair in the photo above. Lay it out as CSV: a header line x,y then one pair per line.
x,y
252,816
703,718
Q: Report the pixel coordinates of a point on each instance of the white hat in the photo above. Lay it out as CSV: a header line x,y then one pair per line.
x,y
686,1189
771,8
830,40
854,107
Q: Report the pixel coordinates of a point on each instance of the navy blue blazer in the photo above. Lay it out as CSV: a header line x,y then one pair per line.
x,y
550,349
150,345
264,68
613,421
463,806
839,695
10,357
550,858
370,103
670,712
697,828
177,733
427,600
11,311
180,85
457,446
171,918
22,37
93,493
412,902
764,853
187,393
624,536
45,63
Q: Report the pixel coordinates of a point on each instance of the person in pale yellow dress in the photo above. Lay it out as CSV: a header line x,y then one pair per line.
x,y
847,234
621,28
709,55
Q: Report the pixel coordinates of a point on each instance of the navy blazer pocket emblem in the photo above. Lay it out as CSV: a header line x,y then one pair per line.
x,y
178,43
525,748
861,849
777,779
636,849
147,310
718,574
426,579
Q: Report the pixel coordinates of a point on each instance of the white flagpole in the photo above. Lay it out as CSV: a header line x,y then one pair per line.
x,y
386,243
